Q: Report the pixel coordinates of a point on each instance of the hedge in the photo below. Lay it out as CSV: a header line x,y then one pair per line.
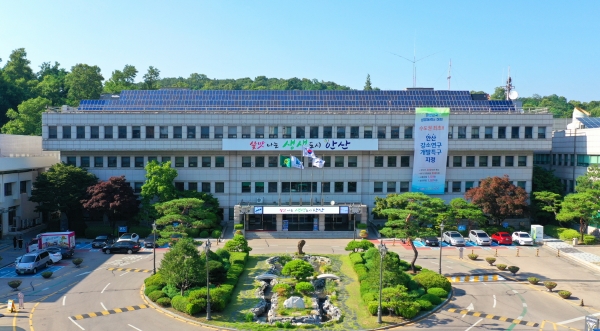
x,y
589,239
164,302
408,309
434,299
430,279
155,280
222,253
373,307
150,289
203,234
238,258
361,271
553,230
437,291
179,303
569,234
156,295
356,258
425,304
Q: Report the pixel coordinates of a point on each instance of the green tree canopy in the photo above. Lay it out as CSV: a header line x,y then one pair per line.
x,y
237,244
159,182
581,207
499,93
188,212
462,209
368,86
84,82
52,85
28,119
182,266
151,79
121,80
298,269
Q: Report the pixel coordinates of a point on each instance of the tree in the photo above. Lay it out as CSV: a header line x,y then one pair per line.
x,y
182,266
210,202
547,185
237,244
114,198
407,214
499,93
461,209
499,198
151,79
159,182
17,82
121,80
189,212
545,180
52,85
62,188
84,82
590,182
28,119
363,245
548,202
579,207
298,269
368,84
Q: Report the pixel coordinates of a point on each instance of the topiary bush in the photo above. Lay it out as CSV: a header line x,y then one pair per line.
x,y
513,269
203,234
155,280
429,279
473,256
550,285
434,299
238,226
304,287
77,262
589,239
439,292
150,289
373,307
164,302
564,294
14,284
408,309
490,260
216,234
569,234
179,303
425,304
501,266
533,280
298,269
47,274
356,258
156,295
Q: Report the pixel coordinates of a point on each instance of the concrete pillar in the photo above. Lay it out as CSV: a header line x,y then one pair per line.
x,y
321,222
279,222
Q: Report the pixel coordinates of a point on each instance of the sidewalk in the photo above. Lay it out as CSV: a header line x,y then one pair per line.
x,y
588,256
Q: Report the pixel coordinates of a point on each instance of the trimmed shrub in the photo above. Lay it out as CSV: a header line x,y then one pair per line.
x,y
164,302
439,292
203,234
77,261
282,289
200,301
361,226
197,294
408,309
192,309
47,274
425,304
490,260
553,230
369,297
533,280
589,239
155,280
298,269
550,285
501,266
14,284
373,307
568,234
356,258
171,291
156,295
222,253
473,256
179,303
238,226
564,294
216,234
513,269
431,279
238,258
434,299
238,244
193,233
304,287
150,289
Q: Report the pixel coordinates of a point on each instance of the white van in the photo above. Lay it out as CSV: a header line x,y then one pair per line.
x,y
32,262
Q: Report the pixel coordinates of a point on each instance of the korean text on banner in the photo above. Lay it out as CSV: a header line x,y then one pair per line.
x,y
431,150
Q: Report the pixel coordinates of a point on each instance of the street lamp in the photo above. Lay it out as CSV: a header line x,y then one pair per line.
x,y
206,251
354,210
154,244
382,252
441,241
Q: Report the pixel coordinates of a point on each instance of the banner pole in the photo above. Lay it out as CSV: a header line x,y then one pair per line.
x,y
279,188
322,180
290,177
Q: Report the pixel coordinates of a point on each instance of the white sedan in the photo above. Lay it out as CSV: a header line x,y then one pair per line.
x,y
130,236
522,238
55,254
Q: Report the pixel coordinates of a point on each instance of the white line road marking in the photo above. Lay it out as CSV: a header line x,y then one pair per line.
x,y
472,326
64,298
105,288
494,301
524,304
85,273
520,318
576,319
484,284
469,308
449,267
123,273
70,319
515,291
134,327
104,307
45,288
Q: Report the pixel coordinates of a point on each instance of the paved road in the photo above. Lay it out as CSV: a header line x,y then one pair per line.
x,y
79,292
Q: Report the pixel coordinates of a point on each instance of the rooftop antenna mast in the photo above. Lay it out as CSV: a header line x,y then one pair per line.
x,y
511,93
414,62
449,75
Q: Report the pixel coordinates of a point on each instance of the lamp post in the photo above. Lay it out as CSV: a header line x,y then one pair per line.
x,y
206,251
382,252
354,210
441,241
154,244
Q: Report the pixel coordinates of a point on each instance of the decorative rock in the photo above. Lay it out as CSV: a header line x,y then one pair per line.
x,y
259,309
294,302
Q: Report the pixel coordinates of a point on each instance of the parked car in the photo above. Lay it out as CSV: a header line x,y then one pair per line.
x,y
502,238
453,238
480,238
55,255
522,238
65,252
103,240
130,236
150,241
122,246
32,262
18,259
175,237
430,241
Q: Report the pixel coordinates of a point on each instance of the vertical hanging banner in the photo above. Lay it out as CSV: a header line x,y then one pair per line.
x,y
431,150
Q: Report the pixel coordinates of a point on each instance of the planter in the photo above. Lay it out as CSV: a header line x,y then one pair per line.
x,y
363,234
564,294
550,285
473,256
513,269
47,274
501,266
77,262
14,284
533,280
490,260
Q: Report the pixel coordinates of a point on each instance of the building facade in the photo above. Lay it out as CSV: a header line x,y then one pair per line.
x,y
230,143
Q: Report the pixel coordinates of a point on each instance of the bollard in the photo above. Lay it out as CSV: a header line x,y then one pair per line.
x,y
537,252
394,243
581,303
472,252
496,255
558,252
517,252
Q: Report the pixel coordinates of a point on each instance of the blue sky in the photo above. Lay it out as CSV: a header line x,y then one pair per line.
x,y
552,47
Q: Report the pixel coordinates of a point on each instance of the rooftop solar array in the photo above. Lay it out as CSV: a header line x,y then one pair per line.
x,y
590,122
237,100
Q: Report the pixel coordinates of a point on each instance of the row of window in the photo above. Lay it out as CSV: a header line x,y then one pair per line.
x,y
485,161
566,159
316,132
9,188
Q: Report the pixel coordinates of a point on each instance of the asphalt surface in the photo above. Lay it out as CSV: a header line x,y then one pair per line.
x,y
70,299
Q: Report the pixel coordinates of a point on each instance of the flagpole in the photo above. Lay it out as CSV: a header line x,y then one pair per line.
x,y
279,188
311,181
290,177
322,181
301,182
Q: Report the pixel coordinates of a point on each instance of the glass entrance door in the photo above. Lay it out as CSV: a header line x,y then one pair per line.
x,y
300,222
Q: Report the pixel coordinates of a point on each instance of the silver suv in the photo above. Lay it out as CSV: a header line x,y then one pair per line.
x,y
32,262
453,238
479,237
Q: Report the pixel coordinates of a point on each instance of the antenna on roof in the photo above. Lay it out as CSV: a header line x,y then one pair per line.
x,y
449,76
511,93
414,62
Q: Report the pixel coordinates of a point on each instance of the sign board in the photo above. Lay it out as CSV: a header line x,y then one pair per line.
x,y
122,229
284,225
505,225
344,209
301,210
295,145
537,233
591,323
431,150
315,224
462,227
10,307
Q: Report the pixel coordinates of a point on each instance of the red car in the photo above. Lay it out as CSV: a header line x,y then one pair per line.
x,y
502,238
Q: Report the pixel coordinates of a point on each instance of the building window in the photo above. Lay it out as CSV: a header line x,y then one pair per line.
x,y
489,132
232,132
391,187
287,132
177,132
395,132
150,132
125,161
85,162
259,161
450,132
514,132
191,132
273,132
206,162
246,161
166,159
178,162
80,132
368,132
52,132
245,132
339,161
218,132
483,161
521,184
462,132
403,186
474,132
326,187
339,187
153,158
351,187
528,132
8,189
470,161
522,161
193,186
246,188
179,186
72,161
122,132
98,161
108,132
327,160
205,187
509,161
219,161
571,163
457,161
272,187
66,132
391,161
192,161
137,187
327,132
469,185
378,161
456,186
23,187
541,132
272,162
139,161
136,132
560,159
219,187
381,132
405,161
314,132
352,161
259,187
408,132
204,132
112,161
501,132
378,187
300,132
341,132
446,187
285,186
354,132
496,160
163,132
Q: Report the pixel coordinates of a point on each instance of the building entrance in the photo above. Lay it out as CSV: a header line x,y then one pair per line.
x,y
338,223
301,222
257,222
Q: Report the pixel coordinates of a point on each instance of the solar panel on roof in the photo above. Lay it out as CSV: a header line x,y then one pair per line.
x,y
590,122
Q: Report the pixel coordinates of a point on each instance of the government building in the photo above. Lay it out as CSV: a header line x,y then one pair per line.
x,y
232,143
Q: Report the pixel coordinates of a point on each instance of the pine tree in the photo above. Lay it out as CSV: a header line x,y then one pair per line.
x,y
368,84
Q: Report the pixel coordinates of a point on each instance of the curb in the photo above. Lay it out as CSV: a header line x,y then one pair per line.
x,y
586,264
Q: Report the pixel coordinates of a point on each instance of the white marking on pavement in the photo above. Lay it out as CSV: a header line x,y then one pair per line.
x,y
469,308
524,304
494,301
64,298
134,327
472,326
449,267
105,288
103,307
83,273
45,288
576,319
515,291
70,319
123,273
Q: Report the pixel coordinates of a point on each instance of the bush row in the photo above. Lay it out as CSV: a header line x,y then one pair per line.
x,y
356,258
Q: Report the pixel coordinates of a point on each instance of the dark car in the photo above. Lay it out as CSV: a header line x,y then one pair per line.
x,y
175,237
123,246
150,241
430,241
65,251
103,240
